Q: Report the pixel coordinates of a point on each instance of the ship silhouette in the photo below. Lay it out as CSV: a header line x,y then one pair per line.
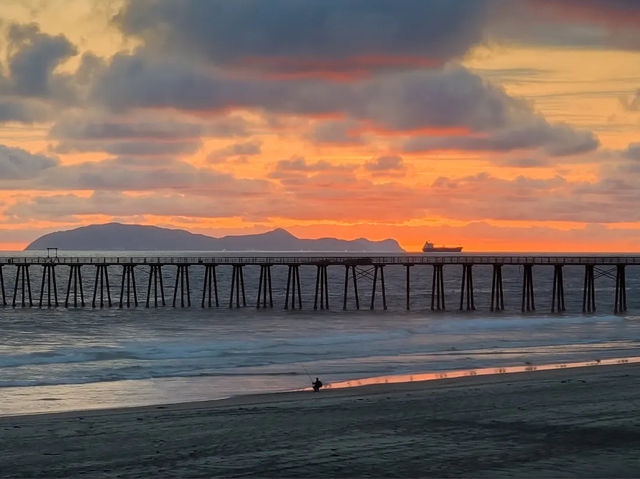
x,y
429,248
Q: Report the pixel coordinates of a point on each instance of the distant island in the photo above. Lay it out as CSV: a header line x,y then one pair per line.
x,y
121,237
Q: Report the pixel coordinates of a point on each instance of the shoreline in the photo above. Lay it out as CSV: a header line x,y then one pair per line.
x,y
362,382
567,421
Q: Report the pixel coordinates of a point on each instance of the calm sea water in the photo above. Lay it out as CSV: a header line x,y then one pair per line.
x,y
56,359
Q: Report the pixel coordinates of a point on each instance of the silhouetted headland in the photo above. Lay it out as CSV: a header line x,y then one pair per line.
x,y
120,237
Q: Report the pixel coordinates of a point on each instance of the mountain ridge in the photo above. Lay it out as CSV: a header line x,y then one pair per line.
x,y
133,237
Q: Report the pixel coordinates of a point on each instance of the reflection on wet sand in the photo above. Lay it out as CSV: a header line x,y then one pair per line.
x,y
407,378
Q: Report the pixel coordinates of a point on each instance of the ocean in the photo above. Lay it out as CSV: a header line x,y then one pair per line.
x,y
58,359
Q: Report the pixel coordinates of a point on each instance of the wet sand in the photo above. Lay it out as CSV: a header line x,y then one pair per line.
x,y
579,422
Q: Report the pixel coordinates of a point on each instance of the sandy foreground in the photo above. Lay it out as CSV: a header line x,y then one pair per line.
x,y
582,422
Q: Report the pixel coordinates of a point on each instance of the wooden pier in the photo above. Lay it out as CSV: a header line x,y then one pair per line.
x,y
360,272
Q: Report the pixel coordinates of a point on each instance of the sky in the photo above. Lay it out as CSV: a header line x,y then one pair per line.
x,y
497,125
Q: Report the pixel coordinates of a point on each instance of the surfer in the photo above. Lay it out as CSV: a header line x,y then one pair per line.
x,y
317,384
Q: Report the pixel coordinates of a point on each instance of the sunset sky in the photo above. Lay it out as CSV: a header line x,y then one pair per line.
x,y
493,124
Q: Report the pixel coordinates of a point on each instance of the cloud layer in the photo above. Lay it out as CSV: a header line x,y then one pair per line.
x,y
321,111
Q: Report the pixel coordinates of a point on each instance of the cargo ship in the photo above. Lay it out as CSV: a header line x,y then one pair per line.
x,y
429,248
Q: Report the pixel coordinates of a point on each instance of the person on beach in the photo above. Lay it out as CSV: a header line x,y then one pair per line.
x,y
317,384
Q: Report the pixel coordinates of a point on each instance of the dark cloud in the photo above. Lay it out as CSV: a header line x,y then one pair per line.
x,y
76,127
298,163
336,132
147,174
567,23
315,35
131,148
32,59
140,135
139,81
18,164
529,199
70,207
633,151
385,163
23,111
523,162
126,137
555,140
453,97
248,148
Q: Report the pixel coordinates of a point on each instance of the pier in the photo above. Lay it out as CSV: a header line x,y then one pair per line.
x,y
363,278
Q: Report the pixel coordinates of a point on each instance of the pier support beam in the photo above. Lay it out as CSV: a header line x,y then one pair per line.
x,y
4,297
620,302
293,283
155,278
264,286
210,286
437,288
467,286
237,286
128,276
322,285
528,302
379,267
557,292
74,283
497,292
182,283
346,285
23,282
102,277
408,284
589,291
48,279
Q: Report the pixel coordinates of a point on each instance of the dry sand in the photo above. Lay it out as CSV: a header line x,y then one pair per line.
x,y
565,423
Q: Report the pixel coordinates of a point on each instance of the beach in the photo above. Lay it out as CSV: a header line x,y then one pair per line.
x,y
577,422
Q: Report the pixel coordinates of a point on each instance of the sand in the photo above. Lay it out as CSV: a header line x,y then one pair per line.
x,y
582,422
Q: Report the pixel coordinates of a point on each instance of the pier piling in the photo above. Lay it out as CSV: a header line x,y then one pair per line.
x,y
182,284
4,297
264,287
102,277
437,288
557,292
23,284
346,285
620,301
210,286
48,280
589,290
528,301
293,284
467,287
497,291
237,286
376,268
74,283
128,277
155,279
408,285
322,287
